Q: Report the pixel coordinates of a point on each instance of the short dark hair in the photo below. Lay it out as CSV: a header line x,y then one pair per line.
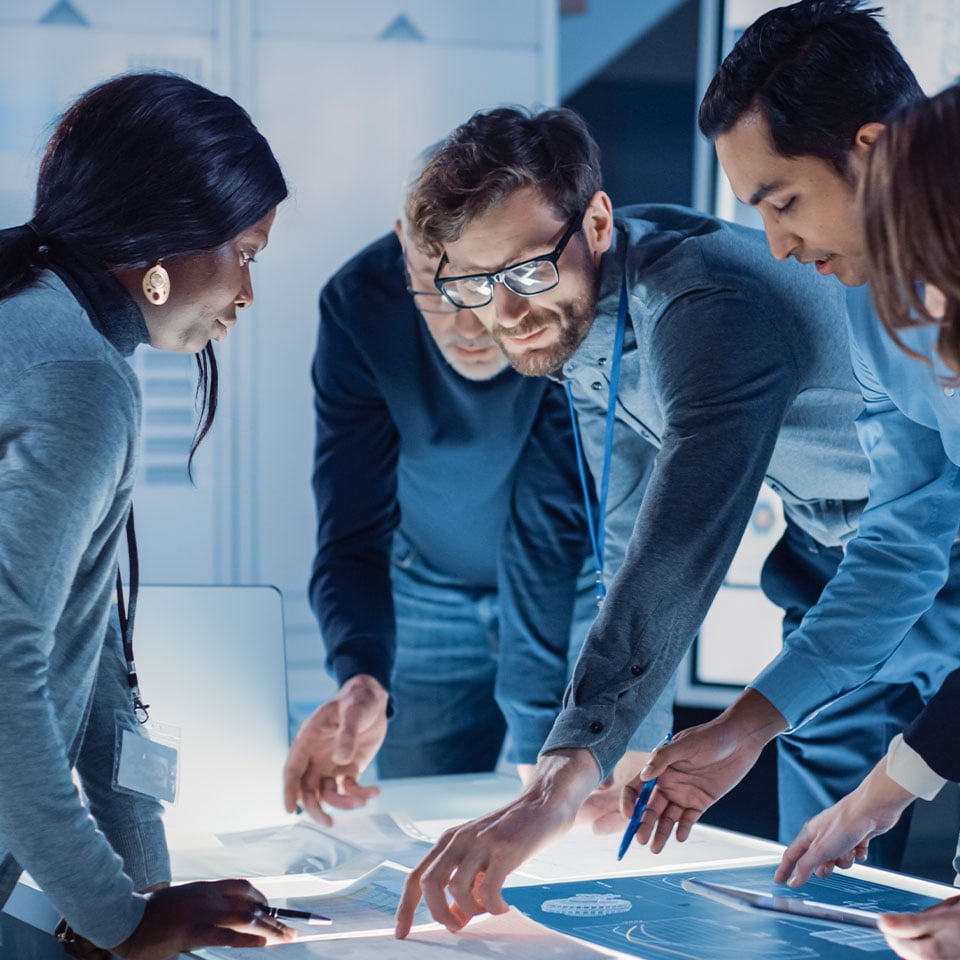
x,y
817,71
141,167
492,155
910,203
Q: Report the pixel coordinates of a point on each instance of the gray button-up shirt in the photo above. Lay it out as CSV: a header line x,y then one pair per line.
x,y
737,369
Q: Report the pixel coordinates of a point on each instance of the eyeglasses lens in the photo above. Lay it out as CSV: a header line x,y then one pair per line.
x,y
531,278
433,303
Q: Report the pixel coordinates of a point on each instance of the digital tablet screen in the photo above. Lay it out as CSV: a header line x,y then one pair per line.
x,y
794,906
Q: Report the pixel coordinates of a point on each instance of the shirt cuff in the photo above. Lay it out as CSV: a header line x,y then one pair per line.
x,y
908,769
590,728
794,685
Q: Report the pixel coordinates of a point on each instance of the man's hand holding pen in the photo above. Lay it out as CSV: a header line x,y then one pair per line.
x,y
700,765
634,804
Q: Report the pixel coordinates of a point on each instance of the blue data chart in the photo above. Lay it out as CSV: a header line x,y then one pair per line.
x,y
654,917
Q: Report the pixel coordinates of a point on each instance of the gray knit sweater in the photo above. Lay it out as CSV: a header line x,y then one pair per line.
x,y
69,421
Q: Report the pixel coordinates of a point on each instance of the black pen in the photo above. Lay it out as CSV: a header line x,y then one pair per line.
x,y
283,913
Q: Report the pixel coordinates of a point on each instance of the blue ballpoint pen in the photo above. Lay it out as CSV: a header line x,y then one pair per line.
x,y
642,800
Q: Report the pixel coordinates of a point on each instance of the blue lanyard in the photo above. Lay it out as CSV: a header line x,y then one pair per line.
x,y
595,524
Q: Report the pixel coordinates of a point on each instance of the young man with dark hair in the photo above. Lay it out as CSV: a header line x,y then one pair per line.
x,y
672,328
777,70
795,110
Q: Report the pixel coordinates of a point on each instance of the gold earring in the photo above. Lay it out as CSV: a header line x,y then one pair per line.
x,y
156,284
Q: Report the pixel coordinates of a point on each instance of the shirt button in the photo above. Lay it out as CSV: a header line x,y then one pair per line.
x,y
601,361
645,434
948,391
636,669
572,365
596,385
596,727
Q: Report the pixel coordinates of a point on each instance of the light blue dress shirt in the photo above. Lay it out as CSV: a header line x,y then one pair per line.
x,y
895,566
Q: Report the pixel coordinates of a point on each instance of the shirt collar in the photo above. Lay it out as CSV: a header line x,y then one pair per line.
x,y
111,309
597,347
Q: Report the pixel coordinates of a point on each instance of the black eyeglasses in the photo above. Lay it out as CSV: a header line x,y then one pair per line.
x,y
427,301
526,279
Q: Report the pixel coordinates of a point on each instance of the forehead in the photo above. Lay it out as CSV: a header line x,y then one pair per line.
x,y
757,170
521,226
748,157
419,261
260,230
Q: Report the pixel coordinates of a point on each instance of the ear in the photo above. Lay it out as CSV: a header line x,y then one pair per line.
x,y
863,142
398,230
598,225
865,138
867,135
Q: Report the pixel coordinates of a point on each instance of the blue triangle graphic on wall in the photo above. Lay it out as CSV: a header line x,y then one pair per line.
x,y
402,28
64,13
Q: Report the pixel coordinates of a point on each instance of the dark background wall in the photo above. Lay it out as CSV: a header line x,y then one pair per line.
x,y
641,110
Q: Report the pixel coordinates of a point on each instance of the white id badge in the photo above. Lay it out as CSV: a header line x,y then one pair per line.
x,y
147,759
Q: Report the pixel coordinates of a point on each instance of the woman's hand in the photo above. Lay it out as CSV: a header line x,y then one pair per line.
x,y
214,913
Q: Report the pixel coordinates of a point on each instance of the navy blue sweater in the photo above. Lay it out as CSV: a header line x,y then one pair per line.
x,y
480,477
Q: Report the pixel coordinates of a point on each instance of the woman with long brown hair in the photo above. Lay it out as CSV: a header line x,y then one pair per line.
x,y
910,209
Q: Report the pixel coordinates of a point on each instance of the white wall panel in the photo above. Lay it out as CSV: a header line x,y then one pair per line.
x,y
347,93
346,117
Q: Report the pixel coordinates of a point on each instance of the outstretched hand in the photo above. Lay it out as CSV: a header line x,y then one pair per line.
x,y
840,836
214,913
334,746
473,860
699,766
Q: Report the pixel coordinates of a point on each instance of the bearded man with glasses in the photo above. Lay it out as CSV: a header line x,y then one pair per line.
x,y
450,524
670,328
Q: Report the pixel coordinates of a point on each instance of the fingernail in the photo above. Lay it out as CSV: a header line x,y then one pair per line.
x,y
646,771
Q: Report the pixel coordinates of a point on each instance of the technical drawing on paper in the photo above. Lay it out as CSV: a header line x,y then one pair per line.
x,y
652,916
587,905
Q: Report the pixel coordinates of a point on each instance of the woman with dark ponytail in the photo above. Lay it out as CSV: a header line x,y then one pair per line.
x,y
154,196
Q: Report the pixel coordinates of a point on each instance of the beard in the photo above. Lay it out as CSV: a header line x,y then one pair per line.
x,y
572,319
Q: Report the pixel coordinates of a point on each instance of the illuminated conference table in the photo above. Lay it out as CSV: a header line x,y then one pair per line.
x,y
417,810
231,775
